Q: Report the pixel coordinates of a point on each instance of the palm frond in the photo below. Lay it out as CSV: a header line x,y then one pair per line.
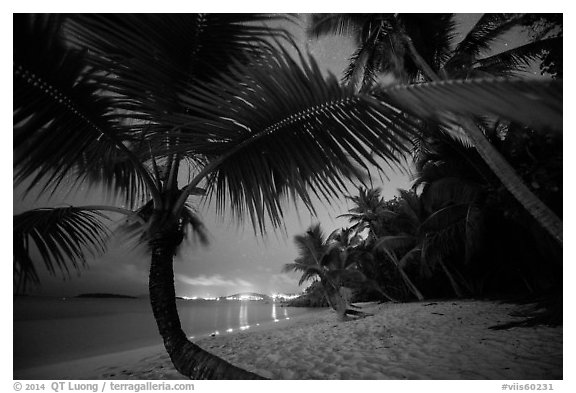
x,y
308,271
535,103
62,236
444,218
361,71
148,56
447,189
392,243
339,24
63,124
193,226
407,257
273,134
311,245
489,28
432,35
516,59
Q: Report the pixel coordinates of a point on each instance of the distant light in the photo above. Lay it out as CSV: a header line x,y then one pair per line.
x,y
276,320
249,297
244,327
283,296
230,330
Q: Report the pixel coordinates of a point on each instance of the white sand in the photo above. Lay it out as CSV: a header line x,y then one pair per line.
x,y
444,340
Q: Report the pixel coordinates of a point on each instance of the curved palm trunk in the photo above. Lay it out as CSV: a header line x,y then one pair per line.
x,y
497,163
189,359
514,183
335,300
453,282
415,291
407,281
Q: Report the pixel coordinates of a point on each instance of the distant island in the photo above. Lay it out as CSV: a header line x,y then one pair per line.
x,y
238,296
105,296
250,296
247,296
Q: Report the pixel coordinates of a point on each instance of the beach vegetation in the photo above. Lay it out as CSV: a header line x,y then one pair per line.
x,y
486,170
330,260
414,48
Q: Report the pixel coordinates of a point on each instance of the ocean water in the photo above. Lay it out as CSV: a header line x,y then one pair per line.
x,y
51,330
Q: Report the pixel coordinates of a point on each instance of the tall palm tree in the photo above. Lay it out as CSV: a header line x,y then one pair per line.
x,y
434,63
132,101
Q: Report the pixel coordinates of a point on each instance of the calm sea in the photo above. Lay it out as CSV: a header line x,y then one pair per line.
x,y
49,330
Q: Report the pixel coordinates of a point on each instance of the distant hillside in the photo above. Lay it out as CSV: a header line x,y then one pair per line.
x,y
254,294
105,296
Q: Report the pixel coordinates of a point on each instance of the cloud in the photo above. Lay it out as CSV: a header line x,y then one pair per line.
x,y
212,281
283,280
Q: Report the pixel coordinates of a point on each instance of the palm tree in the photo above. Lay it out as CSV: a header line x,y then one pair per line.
x,y
314,250
367,210
379,47
429,235
449,172
133,101
394,37
408,46
371,212
332,260
347,253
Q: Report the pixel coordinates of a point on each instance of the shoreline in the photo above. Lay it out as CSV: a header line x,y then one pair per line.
x,y
421,340
90,367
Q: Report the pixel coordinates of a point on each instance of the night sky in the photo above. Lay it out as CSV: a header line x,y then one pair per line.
x,y
236,260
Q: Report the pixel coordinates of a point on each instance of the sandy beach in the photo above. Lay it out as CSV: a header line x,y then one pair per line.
x,y
423,340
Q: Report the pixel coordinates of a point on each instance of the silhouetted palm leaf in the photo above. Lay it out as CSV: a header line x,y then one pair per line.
x,y
480,38
509,62
341,24
149,56
62,236
393,243
379,47
63,123
308,271
273,133
535,103
444,218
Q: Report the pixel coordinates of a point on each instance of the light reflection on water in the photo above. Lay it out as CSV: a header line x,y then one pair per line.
x,y
66,324
201,318
274,318
243,317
